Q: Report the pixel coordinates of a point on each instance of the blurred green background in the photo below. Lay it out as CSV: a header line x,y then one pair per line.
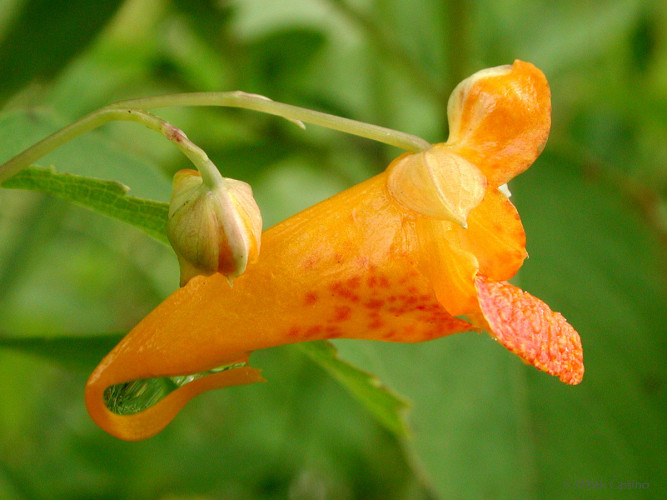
x,y
484,425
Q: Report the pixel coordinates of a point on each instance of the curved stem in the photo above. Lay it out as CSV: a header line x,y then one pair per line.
x,y
295,114
210,174
134,110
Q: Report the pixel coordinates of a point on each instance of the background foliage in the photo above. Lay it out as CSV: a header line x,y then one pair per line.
x,y
483,425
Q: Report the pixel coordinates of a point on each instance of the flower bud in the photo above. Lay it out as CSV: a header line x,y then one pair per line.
x,y
212,229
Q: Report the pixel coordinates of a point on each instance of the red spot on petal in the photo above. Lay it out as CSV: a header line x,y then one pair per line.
x,y
376,321
341,290
314,331
333,332
354,283
311,298
311,262
341,313
374,304
294,332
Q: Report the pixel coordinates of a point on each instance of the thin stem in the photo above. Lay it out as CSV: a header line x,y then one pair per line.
x,y
134,110
292,113
210,174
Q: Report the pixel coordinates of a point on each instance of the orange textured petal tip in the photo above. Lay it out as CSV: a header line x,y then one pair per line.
x,y
499,119
530,329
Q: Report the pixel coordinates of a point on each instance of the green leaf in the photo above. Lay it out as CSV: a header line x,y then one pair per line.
x,y
106,197
602,266
385,405
467,402
76,353
46,36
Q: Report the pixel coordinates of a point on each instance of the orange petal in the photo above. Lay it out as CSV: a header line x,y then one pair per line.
x,y
526,326
451,267
493,244
500,119
496,237
152,420
343,268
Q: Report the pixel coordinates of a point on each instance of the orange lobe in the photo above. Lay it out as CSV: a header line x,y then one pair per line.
x,y
530,329
495,236
500,119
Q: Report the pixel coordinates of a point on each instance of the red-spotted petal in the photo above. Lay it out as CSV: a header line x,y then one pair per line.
x,y
530,329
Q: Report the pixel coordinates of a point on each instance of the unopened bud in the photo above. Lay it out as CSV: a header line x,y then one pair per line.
x,y
212,229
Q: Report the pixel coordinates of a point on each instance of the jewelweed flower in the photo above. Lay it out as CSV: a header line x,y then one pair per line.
x,y
418,252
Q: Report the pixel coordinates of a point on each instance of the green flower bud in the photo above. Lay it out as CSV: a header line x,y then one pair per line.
x,y
212,229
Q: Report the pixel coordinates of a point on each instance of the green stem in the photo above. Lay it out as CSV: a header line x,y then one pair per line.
x,y
134,110
292,113
210,174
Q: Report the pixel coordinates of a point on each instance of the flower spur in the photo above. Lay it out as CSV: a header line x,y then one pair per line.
x,y
420,251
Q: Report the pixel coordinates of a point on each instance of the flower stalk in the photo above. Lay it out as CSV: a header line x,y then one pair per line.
x,y
105,115
295,114
135,110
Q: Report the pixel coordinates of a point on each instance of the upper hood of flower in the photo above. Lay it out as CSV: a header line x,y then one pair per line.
x,y
499,119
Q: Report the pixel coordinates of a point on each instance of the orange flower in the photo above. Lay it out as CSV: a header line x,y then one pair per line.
x,y
404,256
